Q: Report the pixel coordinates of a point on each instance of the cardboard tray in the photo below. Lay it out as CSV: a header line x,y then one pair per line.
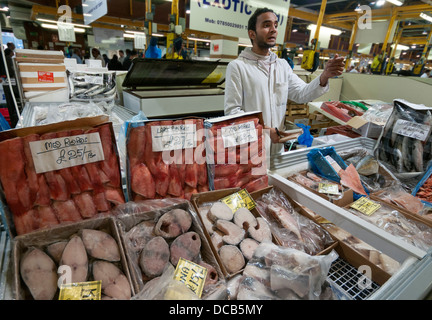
x,y
43,238
257,194
84,123
212,196
126,222
347,197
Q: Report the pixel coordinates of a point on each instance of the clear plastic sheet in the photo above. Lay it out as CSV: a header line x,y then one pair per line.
x,y
44,241
92,85
241,164
378,113
394,222
405,143
138,224
279,273
398,196
292,229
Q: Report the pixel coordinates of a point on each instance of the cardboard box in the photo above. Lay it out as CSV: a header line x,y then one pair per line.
x,y
41,239
127,221
42,76
365,128
84,123
207,198
347,197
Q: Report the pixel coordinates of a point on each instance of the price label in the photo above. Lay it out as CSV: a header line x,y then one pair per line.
x,y
94,79
239,134
47,77
241,199
59,153
90,290
411,129
365,206
192,275
329,188
166,138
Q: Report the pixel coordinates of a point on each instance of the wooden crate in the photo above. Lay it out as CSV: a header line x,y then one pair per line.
x,y
297,109
318,121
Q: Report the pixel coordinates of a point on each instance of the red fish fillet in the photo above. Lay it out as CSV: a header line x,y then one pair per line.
x,y
142,181
43,194
101,202
66,173
66,211
110,165
135,146
13,177
83,178
114,195
257,184
32,177
175,187
351,179
26,222
47,217
157,167
85,204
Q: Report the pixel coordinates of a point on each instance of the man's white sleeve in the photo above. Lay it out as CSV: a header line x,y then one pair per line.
x,y
233,99
302,92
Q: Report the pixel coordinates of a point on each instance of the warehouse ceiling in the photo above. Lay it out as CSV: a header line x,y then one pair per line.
x,y
134,10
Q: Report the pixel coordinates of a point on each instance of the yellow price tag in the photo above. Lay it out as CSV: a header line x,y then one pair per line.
x,y
365,206
329,188
90,290
192,275
241,199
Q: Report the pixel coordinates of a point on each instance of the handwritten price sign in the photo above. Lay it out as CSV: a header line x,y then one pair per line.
x,y
239,134
166,138
59,153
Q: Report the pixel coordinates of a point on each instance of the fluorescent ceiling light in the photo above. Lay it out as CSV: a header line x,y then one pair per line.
x,y
56,22
380,3
400,47
158,35
54,26
396,2
135,32
198,39
426,16
128,35
336,32
358,9
295,30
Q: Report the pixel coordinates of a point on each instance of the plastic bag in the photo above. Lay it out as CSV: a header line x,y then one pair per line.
x,y
292,229
305,138
138,223
95,85
278,273
405,144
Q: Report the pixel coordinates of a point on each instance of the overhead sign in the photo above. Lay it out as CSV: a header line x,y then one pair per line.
x,y
230,17
93,10
66,32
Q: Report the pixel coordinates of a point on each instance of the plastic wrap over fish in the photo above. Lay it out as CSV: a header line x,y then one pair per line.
x,y
405,145
156,239
92,86
292,229
395,223
279,273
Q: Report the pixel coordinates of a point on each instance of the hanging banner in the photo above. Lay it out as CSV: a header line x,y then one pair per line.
x,y
93,10
230,17
66,32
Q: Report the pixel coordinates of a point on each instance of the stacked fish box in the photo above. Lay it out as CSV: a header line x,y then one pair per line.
x,y
166,159
236,152
79,253
42,72
58,174
156,239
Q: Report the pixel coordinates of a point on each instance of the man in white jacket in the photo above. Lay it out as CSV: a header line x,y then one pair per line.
x,y
259,81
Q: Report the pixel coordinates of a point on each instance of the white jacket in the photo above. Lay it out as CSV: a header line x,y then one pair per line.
x,y
264,83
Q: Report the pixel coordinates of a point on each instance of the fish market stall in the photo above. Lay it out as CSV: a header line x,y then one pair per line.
x,y
412,280
162,88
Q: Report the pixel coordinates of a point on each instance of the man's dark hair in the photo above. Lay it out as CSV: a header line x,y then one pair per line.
x,y
253,19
